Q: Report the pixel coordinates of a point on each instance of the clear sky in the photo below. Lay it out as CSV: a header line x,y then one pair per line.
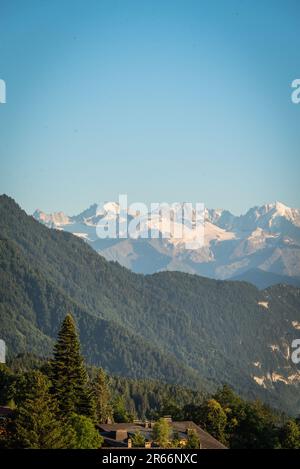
x,y
175,100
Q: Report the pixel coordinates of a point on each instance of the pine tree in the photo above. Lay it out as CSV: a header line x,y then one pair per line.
x,y
68,373
102,397
37,425
120,413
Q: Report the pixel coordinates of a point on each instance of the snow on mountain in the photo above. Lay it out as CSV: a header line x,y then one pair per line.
x,y
265,237
220,217
269,217
52,220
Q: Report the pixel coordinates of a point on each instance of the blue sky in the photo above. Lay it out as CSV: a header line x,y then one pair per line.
x,y
163,100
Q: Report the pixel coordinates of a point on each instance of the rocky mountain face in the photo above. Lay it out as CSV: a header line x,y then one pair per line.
x,y
266,238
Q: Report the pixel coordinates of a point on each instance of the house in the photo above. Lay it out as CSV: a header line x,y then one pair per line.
x,y
118,435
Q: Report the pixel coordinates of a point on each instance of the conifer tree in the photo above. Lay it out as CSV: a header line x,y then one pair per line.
x,y
102,397
37,425
68,373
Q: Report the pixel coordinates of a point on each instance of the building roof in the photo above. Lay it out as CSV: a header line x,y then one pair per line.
x,y
207,441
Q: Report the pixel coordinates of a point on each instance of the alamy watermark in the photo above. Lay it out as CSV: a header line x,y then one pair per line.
x,y
2,351
295,96
2,92
295,357
179,221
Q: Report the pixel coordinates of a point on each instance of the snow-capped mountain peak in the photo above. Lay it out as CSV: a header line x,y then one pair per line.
x,y
53,219
266,237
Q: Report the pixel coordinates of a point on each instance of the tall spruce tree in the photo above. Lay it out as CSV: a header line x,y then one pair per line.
x,y
37,425
68,373
102,394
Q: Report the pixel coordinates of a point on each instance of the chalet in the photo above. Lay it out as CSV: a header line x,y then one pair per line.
x,y
119,435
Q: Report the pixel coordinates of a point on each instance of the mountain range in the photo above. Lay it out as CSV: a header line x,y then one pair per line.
x,y
265,239
172,326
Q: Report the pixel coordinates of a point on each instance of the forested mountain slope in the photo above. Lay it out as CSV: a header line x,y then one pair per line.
x,y
171,326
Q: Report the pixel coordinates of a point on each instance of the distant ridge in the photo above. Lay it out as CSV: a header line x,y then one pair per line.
x,y
262,279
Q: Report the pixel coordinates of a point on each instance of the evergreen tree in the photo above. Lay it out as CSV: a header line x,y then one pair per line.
x,y
170,407
162,433
102,397
119,410
37,425
68,373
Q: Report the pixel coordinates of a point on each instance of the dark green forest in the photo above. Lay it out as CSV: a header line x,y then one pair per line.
x,y
58,403
177,328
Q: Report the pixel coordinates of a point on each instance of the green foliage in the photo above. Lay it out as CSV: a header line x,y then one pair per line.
x,y
248,424
120,413
148,399
176,442
102,397
236,422
36,424
6,381
172,408
68,373
169,326
47,420
214,419
174,327
256,428
161,433
138,440
290,435
193,441
86,435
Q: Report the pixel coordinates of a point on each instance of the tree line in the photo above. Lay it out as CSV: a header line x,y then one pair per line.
x,y
58,404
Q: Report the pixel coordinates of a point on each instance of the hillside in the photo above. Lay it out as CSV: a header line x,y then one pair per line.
x,y
171,326
32,308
